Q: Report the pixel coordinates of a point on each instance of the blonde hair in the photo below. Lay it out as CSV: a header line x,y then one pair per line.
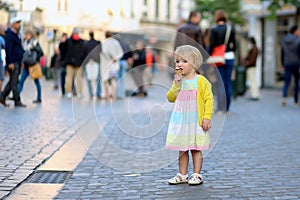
x,y
190,54
31,32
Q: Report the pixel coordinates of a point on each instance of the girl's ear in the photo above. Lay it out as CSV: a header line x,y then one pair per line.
x,y
198,70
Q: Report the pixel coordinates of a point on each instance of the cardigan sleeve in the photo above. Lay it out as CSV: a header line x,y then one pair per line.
x,y
173,92
209,102
207,99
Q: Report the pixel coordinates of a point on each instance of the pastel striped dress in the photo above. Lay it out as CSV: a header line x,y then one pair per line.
x,y
184,132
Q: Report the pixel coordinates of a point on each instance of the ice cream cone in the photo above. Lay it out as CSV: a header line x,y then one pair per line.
x,y
178,71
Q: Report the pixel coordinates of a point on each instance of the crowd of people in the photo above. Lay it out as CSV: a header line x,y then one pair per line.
x,y
20,57
223,33
103,64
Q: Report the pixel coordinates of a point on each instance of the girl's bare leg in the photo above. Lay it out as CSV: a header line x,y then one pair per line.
x,y
183,161
197,161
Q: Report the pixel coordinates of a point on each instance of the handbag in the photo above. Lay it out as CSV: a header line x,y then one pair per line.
x,y
29,57
217,57
35,71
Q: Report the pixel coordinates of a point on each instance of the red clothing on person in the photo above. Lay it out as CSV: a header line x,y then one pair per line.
x,y
149,60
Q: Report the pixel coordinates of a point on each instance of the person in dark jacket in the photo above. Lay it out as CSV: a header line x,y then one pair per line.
x,y
125,61
290,60
62,50
92,49
217,37
2,62
31,44
73,60
190,32
55,67
14,54
250,63
138,66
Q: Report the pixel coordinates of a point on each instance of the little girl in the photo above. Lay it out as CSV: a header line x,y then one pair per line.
x,y
191,116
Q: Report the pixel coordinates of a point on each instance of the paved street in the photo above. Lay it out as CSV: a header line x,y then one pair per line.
x,y
29,136
255,157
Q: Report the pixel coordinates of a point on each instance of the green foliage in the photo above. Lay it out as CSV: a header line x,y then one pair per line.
x,y
231,7
4,6
278,4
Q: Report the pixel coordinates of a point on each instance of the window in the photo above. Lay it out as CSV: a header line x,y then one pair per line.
x,y
62,6
168,9
132,9
145,11
156,8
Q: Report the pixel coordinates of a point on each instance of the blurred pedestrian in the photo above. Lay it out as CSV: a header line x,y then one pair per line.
x,y
138,67
250,63
191,116
125,61
190,32
290,59
217,37
150,65
14,54
92,49
31,44
63,50
2,46
55,67
73,60
110,56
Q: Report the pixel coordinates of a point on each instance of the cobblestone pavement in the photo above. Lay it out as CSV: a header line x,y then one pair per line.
x,y
29,136
256,156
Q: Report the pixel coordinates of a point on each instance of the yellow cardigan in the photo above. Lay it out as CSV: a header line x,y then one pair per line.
x,y
205,99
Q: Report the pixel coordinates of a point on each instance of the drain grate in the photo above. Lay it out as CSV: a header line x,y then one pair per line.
x,y
49,177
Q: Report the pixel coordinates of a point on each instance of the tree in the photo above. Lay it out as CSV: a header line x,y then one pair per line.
x,y
4,6
231,7
275,5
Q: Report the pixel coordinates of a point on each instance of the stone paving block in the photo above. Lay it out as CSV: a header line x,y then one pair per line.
x,y
128,197
5,188
9,183
289,197
4,193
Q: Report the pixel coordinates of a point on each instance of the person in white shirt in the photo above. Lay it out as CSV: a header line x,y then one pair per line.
x,y
110,56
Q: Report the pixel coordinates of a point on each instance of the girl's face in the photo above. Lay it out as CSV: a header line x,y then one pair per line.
x,y
187,67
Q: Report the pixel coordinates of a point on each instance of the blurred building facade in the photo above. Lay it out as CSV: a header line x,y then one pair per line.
x,y
52,18
268,33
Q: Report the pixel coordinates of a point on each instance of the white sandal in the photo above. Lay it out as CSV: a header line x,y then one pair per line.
x,y
196,179
178,179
